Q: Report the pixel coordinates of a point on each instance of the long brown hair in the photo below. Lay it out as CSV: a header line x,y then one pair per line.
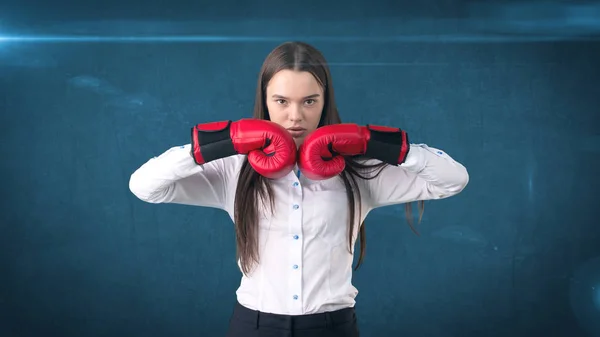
x,y
254,189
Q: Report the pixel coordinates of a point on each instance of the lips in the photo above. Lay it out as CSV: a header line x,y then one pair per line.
x,y
296,132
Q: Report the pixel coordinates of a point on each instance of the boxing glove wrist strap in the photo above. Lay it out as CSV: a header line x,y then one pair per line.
x,y
212,141
389,145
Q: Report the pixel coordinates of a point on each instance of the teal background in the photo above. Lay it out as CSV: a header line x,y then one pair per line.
x,y
515,254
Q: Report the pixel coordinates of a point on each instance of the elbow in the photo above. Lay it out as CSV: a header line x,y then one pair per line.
x,y
136,187
452,186
462,180
139,188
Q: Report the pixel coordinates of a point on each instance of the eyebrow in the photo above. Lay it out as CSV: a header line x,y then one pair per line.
x,y
309,96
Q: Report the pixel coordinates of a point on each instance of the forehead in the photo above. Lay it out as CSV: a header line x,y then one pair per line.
x,y
293,84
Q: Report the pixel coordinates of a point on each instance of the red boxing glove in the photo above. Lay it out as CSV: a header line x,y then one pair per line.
x,y
270,147
321,153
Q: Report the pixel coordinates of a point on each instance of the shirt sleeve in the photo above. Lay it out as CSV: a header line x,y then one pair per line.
x,y
427,173
174,177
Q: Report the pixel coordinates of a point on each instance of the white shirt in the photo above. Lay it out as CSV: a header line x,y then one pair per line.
x,y
305,266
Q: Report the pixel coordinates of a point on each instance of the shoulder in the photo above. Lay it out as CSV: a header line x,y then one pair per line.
x,y
365,167
235,160
366,161
224,169
230,166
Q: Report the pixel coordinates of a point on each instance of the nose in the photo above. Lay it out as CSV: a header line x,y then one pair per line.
x,y
295,113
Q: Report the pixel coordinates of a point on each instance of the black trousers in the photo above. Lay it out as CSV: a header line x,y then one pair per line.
x,y
250,323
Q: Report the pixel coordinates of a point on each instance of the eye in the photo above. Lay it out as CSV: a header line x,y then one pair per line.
x,y
280,101
311,101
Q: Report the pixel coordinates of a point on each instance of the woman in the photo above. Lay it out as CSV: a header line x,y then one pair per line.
x,y
298,185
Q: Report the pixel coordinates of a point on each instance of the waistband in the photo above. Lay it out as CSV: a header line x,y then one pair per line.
x,y
289,322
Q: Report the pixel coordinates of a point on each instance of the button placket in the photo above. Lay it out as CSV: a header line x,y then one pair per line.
x,y
295,247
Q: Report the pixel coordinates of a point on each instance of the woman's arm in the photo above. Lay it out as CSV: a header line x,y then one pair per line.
x,y
427,173
174,177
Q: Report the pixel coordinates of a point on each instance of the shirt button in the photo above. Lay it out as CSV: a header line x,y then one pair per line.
x,y
295,184
295,266
295,297
296,206
295,237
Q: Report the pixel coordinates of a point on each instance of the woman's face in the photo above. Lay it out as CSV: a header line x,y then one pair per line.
x,y
295,101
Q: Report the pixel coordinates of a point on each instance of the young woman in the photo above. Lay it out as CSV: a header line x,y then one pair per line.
x,y
298,184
